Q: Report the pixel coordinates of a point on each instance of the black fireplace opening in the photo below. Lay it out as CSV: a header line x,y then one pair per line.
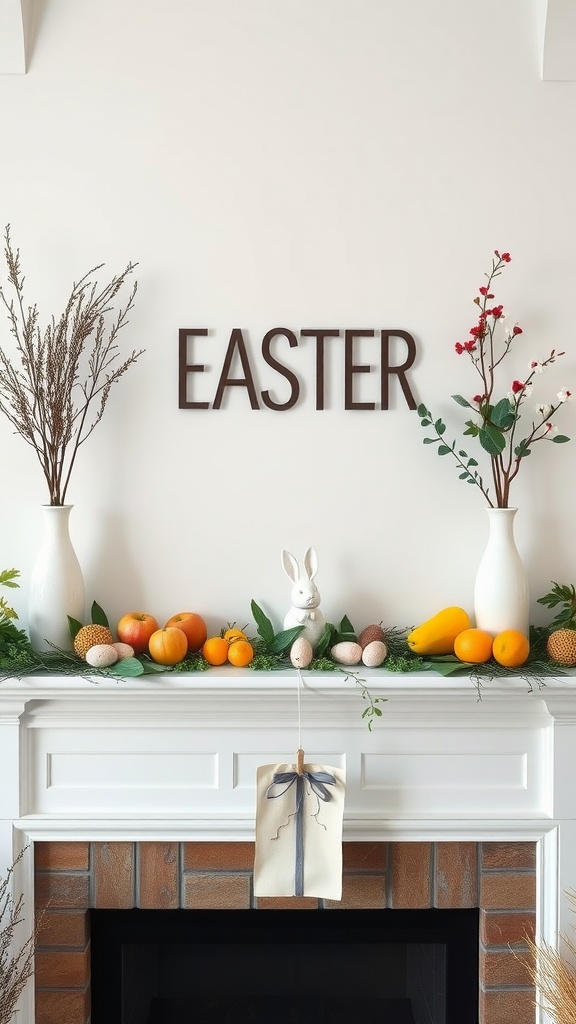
x,y
286,966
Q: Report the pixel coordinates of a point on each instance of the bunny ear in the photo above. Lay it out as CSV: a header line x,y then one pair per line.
x,y
290,566
311,563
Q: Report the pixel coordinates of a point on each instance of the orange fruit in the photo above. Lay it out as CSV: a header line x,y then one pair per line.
x,y
511,648
215,650
168,646
240,653
193,626
233,634
473,645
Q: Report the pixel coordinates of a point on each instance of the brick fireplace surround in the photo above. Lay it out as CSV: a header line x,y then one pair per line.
x,y
141,793
500,878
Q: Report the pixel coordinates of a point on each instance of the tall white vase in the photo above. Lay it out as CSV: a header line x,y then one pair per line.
x,y
56,583
501,592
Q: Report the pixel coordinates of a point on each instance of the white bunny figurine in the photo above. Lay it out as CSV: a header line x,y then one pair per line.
x,y
305,598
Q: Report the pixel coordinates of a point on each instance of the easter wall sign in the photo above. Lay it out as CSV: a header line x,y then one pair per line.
x,y
237,369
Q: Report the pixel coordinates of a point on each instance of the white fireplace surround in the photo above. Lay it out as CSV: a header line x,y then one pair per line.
x,y
174,757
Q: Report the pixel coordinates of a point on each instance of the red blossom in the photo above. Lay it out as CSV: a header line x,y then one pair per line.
x,y
477,332
470,346
478,398
506,257
484,291
497,312
459,348
517,330
518,385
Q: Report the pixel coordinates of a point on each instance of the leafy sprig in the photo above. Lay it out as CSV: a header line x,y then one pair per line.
x,y
563,594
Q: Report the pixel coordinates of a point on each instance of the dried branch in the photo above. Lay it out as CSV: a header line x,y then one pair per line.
x,y
555,978
57,395
16,963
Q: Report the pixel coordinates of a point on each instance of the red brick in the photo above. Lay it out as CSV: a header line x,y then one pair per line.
x,y
286,903
509,855
61,891
63,929
62,856
507,1005
113,875
501,929
506,890
411,870
505,968
360,892
217,891
158,876
456,879
368,856
218,856
62,1007
62,969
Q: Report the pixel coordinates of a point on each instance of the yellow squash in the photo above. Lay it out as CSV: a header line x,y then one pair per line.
x,y
437,635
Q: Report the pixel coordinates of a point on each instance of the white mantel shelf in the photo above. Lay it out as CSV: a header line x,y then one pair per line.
x,y
174,757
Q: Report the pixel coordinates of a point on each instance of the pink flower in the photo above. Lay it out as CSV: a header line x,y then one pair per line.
x,y
517,385
564,395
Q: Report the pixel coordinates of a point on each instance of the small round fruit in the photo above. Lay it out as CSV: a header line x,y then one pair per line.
x,y
233,634
240,653
102,655
370,633
474,646
561,646
136,628
168,646
215,650
89,636
511,648
301,652
193,626
374,654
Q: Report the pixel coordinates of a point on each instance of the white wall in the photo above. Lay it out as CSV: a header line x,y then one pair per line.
x,y
296,163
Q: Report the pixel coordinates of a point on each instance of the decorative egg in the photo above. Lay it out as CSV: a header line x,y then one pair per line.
x,y
347,653
123,650
301,652
102,655
370,633
374,654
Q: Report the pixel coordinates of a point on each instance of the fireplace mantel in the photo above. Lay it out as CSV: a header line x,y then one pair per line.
x,y
174,757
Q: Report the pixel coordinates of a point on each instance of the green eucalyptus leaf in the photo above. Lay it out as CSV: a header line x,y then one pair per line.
x,y
462,401
74,627
263,624
430,440
128,667
443,449
440,427
422,410
560,439
284,640
99,616
492,439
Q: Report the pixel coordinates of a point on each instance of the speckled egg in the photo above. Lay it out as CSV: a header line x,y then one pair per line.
x,y
102,655
374,654
347,653
123,650
301,652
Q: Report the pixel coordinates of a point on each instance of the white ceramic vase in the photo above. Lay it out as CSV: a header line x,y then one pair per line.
x,y
501,592
56,583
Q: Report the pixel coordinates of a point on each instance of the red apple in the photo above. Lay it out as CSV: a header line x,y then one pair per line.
x,y
136,628
193,626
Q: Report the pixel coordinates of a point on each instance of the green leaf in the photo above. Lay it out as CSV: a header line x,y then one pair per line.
x,y
491,439
462,401
325,641
522,450
440,427
284,640
443,449
422,411
346,627
560,439
128,666
463,476
503,415
74,627
99,617
448,668
471,462
7,577
263,624
430,440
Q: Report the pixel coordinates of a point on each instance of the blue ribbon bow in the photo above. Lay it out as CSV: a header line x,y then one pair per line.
x,y
318,782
